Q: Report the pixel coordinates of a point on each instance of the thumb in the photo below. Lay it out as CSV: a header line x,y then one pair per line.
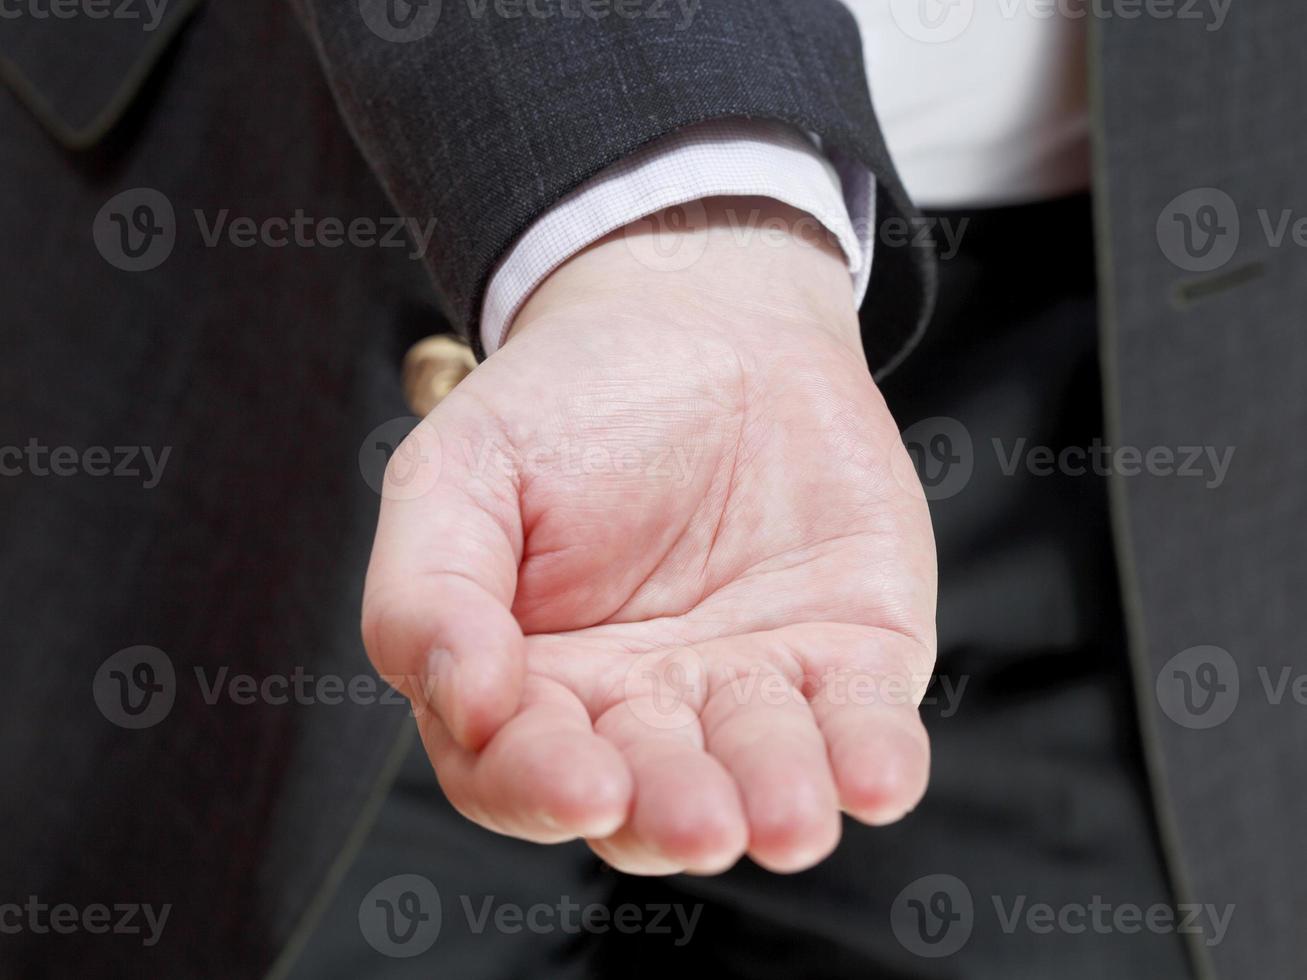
x,y
437,620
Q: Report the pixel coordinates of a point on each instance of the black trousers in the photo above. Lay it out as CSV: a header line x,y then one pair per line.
x,y
1034,854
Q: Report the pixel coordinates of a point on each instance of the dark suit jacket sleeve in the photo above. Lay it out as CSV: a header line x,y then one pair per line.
x,y
482,122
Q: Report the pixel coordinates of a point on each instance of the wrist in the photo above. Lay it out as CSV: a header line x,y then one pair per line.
x,y
751,260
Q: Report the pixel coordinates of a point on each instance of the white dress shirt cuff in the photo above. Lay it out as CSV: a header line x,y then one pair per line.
x,y
726,157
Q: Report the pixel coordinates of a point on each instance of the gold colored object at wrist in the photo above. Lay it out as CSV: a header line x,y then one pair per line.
x,y
432,369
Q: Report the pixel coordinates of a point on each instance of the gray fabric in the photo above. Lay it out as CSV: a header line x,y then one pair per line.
x,y
263,370
486,121
1215,359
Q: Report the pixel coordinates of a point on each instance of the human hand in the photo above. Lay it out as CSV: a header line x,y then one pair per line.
x,y
660,567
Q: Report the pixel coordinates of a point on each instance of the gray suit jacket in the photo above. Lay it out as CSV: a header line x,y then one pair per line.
x,y
135,321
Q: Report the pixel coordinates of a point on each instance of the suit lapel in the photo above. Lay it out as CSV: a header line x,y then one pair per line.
x,y
78,73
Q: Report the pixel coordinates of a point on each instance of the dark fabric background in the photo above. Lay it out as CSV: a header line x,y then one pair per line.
x,y
263,370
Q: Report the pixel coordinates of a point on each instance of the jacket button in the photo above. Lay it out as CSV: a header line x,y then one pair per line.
x,y
432,369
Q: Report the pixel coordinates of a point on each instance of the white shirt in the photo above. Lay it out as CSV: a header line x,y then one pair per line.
x,y
982,102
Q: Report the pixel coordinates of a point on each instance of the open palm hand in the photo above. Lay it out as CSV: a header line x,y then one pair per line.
x,y
667,581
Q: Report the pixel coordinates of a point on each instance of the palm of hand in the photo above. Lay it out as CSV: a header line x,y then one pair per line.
x,y
700,590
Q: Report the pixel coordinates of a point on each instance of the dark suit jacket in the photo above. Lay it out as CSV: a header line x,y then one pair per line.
x,y
248,554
